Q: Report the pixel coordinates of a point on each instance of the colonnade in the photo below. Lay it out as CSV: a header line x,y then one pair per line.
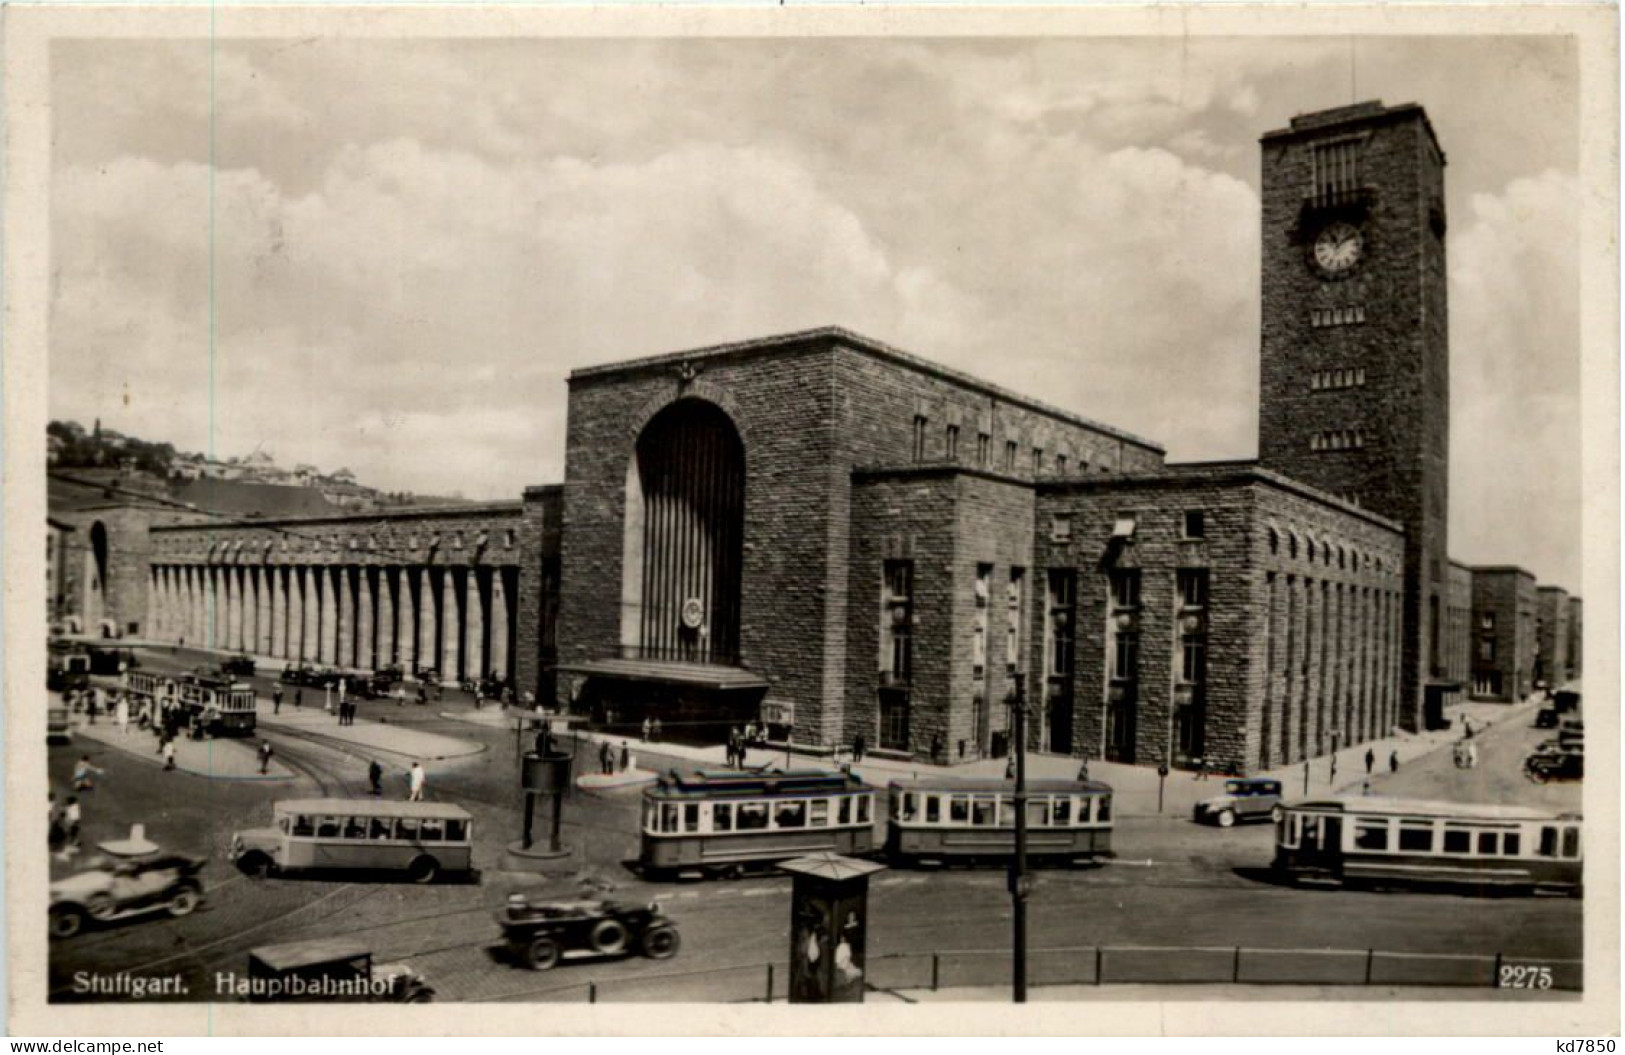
x,y
457,620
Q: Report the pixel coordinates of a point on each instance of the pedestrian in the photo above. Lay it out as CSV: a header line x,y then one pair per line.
x,y
169,752
343,684
1365,787
544,740
1010,768
265,757
423,695
626,758
1083,772
415,779
299,698
606,758
1201,769
655,730
121,714
648,727
936,748
84,775
1393,762
375,777
276,699
94,705
859,747
479,702
70,823
1333,777
400,695
1370,760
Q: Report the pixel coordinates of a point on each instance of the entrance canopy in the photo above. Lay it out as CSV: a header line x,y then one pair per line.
x,y
696,675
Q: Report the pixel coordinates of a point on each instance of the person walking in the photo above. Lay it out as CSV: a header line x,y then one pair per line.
x,y
299,698
265,757
276,699
415,779
1393,762
94,705
860,746
70,824
654,730
169,752
1201,768
84,775
375,777
1370,760
606,758
626,758
121,712
648,727
1083,772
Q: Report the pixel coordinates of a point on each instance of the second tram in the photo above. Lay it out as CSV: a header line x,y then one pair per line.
x,y
722,822
940,821
219,706
1378,841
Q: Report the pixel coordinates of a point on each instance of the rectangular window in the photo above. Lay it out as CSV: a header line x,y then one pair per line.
x,y
979,628
1548,842
1063,589
1103,809
668,817
1486,842
1195,525
863,809
406,829
1038,461
1125,655
1192,587
1037,813
752,816
933,809
981,811
327,828
691,817
1571,842
919,437
897,620
894,716
1370,835
1415,838
1125,588
456,830
958,809
1060,815
818,813
1013,612
1010,450
380,828
843,813
1510,843
432,831
984,449
1060,527
1457,841
953,443
1193,659
722,817
1060,465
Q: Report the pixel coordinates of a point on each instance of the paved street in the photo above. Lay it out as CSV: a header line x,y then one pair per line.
x,y
1174,883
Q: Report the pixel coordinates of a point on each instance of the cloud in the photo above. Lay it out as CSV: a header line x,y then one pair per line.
x,y
1515,429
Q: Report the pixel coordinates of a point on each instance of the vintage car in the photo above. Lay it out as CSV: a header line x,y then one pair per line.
x,y
129,877
540,934
309,675
1244,799
1555,760
58,724
375,686
239,666
1546,718
68,670
328,969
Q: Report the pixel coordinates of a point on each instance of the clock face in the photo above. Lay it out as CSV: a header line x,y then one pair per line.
x,y
1338,248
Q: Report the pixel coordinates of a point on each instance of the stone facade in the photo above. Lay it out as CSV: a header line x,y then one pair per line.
x,y
1505,641
1553,632
1457,639
1355,395
1576,636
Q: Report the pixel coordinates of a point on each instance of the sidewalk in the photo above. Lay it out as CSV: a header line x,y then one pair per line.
x,y
1134,787
219,759
371,734
1174,994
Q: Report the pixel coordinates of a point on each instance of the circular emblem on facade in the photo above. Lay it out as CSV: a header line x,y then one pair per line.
x,y
693,613
1125,620
1192,623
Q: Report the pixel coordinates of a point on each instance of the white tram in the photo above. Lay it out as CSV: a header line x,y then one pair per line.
x,y
223,707
939,820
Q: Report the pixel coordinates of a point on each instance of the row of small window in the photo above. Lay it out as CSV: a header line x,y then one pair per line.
x,y
332,543
1382,835
378,829
984,451
1328,380
1193,525
999,811
1343,558
1337,440
700,818
1321,317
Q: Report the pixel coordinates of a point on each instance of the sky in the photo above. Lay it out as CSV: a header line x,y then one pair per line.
x,y
414,242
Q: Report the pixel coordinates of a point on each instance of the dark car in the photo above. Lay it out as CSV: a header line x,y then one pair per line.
x,y
1546,718
312,676
1244,799
239,666
328,969
374,686
1554,760
540,934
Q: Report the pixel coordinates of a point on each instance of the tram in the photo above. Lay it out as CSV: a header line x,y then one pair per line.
x,y
724,822
939,821
1355,840
220,706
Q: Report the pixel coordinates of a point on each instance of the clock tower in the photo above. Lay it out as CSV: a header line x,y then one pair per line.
x,y
1355,381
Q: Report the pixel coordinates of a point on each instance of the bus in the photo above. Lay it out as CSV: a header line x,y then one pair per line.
x,y
938,820
222,706
424,840
1356,840
721,823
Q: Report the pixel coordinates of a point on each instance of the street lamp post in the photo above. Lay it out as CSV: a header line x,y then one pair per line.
x,y
1018,869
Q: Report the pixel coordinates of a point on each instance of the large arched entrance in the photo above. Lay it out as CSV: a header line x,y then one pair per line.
x,y
94,606
684,536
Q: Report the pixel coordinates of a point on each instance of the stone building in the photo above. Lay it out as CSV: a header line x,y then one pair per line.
x,y
844,540
1576,636
1552,632
1505,641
